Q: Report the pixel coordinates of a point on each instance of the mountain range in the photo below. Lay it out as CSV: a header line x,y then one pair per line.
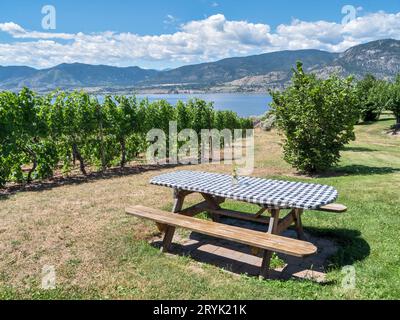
x,y
242,74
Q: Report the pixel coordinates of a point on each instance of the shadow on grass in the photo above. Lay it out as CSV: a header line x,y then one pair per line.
x,y
367,123
359,149
336,248
394,130
352,247
38,186
357,170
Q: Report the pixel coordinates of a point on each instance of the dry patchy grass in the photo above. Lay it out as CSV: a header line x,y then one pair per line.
x,y
70,226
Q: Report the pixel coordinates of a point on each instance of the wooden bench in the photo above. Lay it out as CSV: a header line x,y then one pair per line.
x,y
267,242
334,207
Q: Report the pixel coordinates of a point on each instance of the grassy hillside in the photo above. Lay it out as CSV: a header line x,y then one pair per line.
x,y
80,227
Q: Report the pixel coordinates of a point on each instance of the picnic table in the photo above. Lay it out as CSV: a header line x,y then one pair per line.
x,y
271,196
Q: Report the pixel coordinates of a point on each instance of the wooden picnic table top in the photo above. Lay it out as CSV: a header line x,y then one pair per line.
x,y
268,193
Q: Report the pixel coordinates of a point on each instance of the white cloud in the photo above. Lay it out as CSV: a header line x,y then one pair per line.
x,y
212,38
337,37
11,28
170,20
18,32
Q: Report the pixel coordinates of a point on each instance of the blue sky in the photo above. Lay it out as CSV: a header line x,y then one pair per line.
x,y
147,17
161,34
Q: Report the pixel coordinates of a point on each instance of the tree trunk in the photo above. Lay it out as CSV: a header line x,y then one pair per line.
x,y
80,159
34,166
397,122
102,153
123,153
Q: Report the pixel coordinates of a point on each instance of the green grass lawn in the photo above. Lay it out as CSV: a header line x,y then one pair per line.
x,y
125,266
368,180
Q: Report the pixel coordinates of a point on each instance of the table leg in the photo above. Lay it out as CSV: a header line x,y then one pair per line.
x,y
179,198
272,229
169,235
298,223
213,204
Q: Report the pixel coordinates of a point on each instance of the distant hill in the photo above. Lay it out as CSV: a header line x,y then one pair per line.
x,y
9,73
71,76
235,68
242,74
381,58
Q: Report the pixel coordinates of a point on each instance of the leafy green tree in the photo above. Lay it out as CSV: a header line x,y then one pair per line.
x,y
393,101
30,135
202,114
121,124
8,108
158,114
183,116
231,120
74,120
317,118
219,120
26,152
246,123
369,97
44,147
40,133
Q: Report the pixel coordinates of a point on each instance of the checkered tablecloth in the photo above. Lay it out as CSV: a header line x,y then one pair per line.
x,y
271,194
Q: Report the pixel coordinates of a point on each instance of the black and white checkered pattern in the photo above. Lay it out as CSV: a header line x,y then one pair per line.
x,y
271,194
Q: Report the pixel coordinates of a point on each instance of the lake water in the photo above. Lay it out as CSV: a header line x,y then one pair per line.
x,y
244,105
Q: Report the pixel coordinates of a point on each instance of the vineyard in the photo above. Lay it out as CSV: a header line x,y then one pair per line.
x,y
42,134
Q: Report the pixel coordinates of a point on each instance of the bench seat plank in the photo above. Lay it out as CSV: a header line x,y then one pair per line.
x,y
333,207
252,238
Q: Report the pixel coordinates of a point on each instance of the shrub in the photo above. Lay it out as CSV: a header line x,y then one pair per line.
x,y
317,118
